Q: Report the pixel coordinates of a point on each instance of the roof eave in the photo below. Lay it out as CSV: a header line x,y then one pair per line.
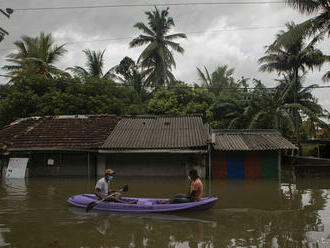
x,y
182,151
256,150
51,149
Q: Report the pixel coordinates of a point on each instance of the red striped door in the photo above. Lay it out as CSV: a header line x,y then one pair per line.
x,y
252,165
219,167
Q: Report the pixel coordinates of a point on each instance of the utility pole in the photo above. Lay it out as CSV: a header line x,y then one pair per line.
x,y
7,12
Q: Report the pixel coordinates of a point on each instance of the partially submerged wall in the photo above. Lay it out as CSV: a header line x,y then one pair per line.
x,y
57,163
153,164
249,165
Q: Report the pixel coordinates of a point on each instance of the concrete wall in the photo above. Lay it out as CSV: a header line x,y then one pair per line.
x,y
101,164
139,164
59,163
62,164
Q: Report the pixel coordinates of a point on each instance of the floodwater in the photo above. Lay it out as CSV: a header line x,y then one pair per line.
x,y
34,213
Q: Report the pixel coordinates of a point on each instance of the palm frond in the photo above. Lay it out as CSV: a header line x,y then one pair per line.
x,y
141,40
295,34
254,121
144,28
304,6
326,77
204,78
78,71
175,46
175,36
148,53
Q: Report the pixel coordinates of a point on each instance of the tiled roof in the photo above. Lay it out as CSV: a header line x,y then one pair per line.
x,y
250,140
158,132
75,132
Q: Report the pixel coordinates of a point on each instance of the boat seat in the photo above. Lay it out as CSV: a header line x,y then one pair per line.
x,y
143,202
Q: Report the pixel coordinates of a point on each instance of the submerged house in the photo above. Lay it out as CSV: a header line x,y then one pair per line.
x,y
248,154
57,145
84,145
157,145
87,144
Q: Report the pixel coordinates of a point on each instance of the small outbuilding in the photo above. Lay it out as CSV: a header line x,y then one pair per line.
x,y
248,154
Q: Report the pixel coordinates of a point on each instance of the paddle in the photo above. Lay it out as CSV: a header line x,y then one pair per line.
x,y
93,204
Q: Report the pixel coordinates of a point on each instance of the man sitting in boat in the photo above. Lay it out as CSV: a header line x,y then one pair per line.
x,y
195,192
196,186
103,191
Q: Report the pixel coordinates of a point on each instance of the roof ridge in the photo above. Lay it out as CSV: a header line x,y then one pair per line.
x,y
161,116
245,131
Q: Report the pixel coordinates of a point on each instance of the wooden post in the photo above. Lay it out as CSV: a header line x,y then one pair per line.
x,y
210,167
279,166
88,165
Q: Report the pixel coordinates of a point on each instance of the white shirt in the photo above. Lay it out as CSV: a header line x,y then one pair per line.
x,y
103,186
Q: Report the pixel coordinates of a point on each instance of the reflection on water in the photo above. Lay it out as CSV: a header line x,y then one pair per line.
x,y
3,230
249,214
15,188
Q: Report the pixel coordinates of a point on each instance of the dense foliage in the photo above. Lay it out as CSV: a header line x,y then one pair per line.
x,y
36,87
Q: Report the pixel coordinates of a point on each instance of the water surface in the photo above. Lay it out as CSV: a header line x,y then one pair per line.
x,y
257,213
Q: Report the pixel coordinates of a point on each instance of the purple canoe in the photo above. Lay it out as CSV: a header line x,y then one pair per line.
x,y
142,205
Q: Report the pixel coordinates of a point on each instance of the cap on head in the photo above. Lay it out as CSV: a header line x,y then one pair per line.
x,y
109,172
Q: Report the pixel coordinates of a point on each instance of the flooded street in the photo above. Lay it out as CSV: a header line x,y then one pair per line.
x,y
34,213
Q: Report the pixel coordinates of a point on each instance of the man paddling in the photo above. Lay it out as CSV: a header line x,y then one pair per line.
x,y
103,191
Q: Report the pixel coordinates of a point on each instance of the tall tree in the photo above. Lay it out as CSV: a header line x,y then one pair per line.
x,y
94,70
180,99
35,56
267,108
157,59
229,102
222,78
131,76
307,104
6,13
318,24
289,59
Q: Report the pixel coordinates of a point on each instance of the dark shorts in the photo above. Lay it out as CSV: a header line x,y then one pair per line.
x,y
179,199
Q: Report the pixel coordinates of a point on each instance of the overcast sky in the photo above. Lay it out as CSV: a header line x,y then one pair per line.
x,y
232,34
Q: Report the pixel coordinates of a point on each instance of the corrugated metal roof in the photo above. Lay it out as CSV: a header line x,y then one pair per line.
x,y
158,132
250,140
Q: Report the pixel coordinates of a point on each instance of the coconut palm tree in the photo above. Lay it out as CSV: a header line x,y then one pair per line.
x,y
94,70
304,94
205,78
307,103
35,56
273,108
290,59
222,78
229,103
157,59
318,24
267,109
